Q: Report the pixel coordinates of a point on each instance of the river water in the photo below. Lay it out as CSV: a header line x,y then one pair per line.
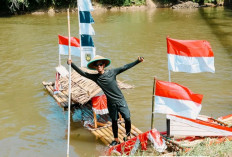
x,y
32,124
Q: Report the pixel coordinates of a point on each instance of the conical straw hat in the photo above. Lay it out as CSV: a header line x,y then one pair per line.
x,y
91,65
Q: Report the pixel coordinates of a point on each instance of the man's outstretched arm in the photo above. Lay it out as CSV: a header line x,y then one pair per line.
x,y
78,70
128,66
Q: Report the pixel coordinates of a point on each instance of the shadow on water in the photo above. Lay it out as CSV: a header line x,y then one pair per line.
x,y
220,23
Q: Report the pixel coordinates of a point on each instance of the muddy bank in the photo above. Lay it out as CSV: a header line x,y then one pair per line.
x,y
192,5
98,8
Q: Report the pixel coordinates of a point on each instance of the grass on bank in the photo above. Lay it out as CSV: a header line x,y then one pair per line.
x,y
214,150
202,149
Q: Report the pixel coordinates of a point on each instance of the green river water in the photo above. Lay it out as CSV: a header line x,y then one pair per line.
x,y
31,122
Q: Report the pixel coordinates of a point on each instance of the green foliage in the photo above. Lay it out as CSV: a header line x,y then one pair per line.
x,y
12,6
113,2
163,2
214,150
123,2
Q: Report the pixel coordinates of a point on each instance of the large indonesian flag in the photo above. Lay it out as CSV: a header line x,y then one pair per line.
x,y
172,98
192,56
74,45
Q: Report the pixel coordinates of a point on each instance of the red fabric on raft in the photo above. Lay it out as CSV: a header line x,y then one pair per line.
x,y
99,102
126,147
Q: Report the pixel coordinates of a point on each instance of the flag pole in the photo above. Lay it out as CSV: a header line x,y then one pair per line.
x,y
169,72
69,87
59,54
153,104
169,79
78,9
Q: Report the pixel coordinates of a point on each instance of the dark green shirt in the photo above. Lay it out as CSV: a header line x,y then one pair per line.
x,y
107,80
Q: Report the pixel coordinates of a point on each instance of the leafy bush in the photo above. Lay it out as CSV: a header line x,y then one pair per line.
x,y
122,2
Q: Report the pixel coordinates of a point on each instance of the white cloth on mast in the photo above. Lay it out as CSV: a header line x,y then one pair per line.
x,y
86,28
85,5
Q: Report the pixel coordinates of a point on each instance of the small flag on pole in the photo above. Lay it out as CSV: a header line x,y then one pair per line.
x,y
86,40
86,28
63,46
86,21
85,17
192,56
172,98
57,83
85,5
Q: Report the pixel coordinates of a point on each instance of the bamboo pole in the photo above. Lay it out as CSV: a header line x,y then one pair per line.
x,y
136,129
122,129
58,100
120,134
69,94
102,135
101,138
100,124
153,105
95,119
133,133
91,113
107,134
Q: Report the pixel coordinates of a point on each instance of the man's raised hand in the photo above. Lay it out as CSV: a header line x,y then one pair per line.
x,y
141,59
69,61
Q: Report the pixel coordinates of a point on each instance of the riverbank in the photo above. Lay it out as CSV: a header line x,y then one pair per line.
x,y
101,8
205,148
98,8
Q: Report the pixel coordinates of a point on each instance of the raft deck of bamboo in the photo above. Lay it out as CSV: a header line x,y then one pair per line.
x,y
104,133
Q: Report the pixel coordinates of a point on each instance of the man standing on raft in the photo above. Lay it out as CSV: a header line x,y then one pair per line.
x,y
106,79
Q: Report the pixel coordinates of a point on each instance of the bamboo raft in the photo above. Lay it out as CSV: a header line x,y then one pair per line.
x,y
104,129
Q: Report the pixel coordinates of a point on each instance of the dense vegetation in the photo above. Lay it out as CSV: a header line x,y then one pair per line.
x,y
123,2
20,6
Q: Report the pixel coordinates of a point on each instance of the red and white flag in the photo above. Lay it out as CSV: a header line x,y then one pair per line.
x,y
57,83
192,56
74,45
172,98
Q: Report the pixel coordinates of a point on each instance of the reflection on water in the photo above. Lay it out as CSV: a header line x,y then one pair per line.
x,y
220,23
32,124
